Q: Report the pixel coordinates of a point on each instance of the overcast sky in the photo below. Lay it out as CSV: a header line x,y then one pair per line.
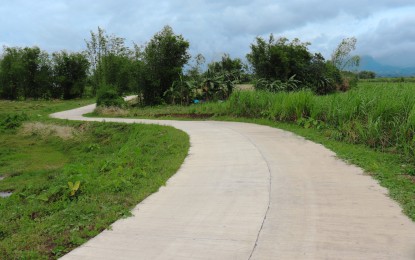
x,y
385,29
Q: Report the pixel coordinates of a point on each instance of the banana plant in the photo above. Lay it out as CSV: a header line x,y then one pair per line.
x,y
73,188
172,94
182,91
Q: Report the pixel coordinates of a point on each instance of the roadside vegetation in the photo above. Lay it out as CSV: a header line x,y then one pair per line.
x,y
373,118
364,115
69,181
163,72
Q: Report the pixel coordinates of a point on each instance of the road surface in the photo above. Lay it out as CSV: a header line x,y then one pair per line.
x,y
247,191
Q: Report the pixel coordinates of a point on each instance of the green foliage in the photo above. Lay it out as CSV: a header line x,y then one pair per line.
x,y
164,58
73,188
371,126
12,121
113,63
390,169
341,56
32,73
70,74
277,85
311,123
194,72
25,73
275,63
232,69
217,85
282,106
379,116
181,92
390,80
350,80
279,59
108,97
323,76
41,220
365,74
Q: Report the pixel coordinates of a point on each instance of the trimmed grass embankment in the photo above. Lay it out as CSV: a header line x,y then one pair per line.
x,y
116,165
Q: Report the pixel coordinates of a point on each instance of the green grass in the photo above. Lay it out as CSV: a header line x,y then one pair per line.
x,y
372,126
394,79
380,115
117,165
40,110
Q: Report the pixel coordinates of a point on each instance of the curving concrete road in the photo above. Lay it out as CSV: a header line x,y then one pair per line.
x,y
254,192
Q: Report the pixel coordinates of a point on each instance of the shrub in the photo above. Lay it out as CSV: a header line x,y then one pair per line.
x,y
13,121
365,74
277,85
277,62
108,97
350,80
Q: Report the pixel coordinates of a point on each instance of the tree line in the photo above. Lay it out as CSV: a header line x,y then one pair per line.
x,y
156,71
32,73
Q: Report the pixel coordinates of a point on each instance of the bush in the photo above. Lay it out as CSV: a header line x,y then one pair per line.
x,y
13,121
108,97
365,74
277,85
289,66
350,80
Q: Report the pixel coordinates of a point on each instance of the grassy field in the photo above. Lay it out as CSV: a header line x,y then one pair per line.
x,y
372,126
390,80
116,165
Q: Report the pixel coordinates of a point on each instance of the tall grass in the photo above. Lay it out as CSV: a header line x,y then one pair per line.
x,y
380,115
283,106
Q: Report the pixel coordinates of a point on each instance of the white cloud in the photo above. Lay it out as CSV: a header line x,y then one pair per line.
x,y
384,28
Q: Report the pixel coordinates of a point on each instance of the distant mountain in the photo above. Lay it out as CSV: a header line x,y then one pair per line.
x,y
381,70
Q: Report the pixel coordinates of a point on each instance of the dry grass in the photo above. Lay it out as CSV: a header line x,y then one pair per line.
x,y
244,87
111,111
43,130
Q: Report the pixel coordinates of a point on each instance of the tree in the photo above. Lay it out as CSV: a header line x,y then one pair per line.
x,y
279,59
43,79
195,70
365,74
324,77
341,56
181,92
164,58
11,69
105,52
25,72
70,74
229,66
281,65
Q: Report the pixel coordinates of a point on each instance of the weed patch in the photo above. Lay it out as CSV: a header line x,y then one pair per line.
x,y
65,191
44,130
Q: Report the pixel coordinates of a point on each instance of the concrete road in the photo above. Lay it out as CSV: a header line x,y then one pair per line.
x,y
247,191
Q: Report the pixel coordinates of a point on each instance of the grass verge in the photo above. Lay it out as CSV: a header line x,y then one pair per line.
x,y
116,165
371,126
393,171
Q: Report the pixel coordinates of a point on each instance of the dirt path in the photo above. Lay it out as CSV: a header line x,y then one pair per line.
x,y
254,192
